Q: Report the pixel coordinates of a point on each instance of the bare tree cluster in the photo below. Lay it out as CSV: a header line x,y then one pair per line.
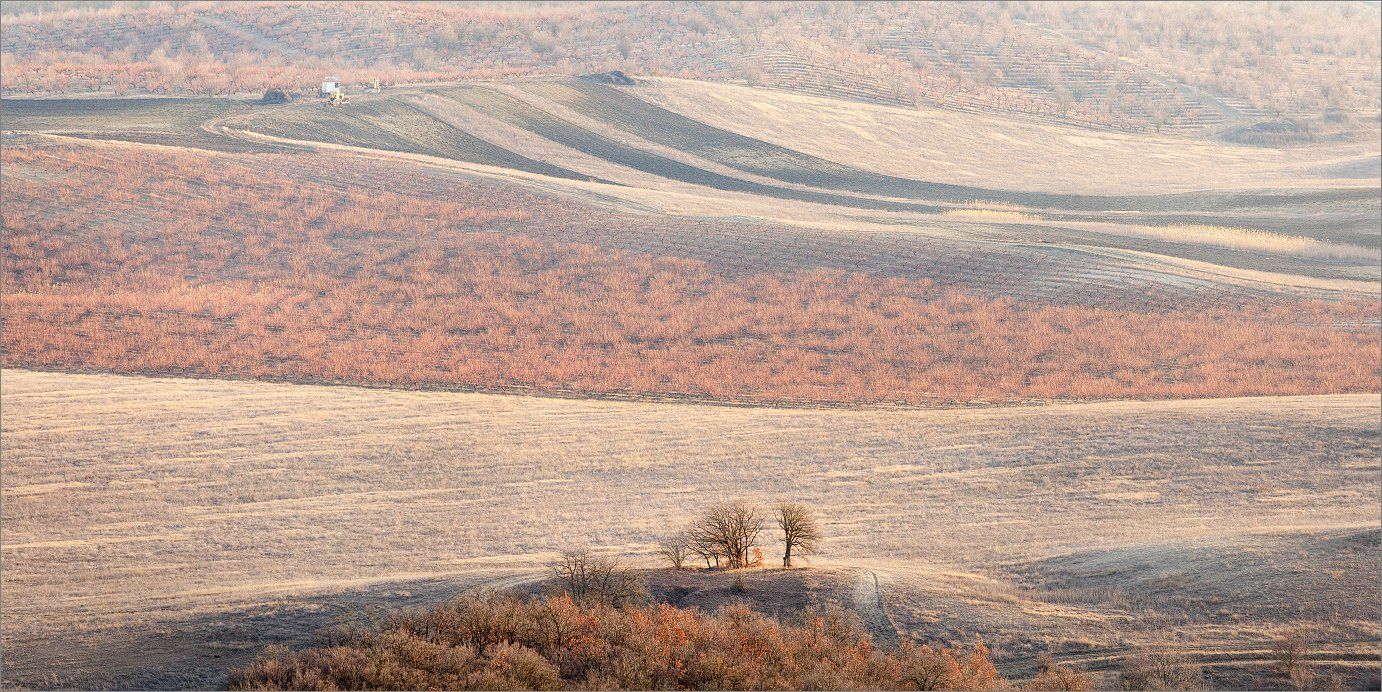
x,y
596,578
726,535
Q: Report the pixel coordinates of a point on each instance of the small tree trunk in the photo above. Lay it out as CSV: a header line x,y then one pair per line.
x,y
787,557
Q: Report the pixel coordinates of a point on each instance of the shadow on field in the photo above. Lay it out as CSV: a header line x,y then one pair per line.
x,y
197,652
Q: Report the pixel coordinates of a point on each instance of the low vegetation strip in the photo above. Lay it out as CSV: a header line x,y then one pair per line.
x,y
181,263
492,641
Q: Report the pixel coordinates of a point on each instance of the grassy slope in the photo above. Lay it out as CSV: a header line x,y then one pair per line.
x,y
160,503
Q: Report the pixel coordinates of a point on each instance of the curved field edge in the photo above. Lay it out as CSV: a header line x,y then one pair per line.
x,y
397,124
620,107
389,124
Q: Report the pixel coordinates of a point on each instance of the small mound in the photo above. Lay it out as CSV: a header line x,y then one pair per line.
x,y
611,77
1279,132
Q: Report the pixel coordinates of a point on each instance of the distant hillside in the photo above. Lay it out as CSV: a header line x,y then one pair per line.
x,y
1144,67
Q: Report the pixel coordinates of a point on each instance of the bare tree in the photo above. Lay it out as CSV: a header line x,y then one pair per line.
x,y
675,548
727,531
595,578
745,523
701,545
801,533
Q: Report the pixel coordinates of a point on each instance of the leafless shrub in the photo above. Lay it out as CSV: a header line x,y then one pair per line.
x,y
1160,670
1291,652
1058,677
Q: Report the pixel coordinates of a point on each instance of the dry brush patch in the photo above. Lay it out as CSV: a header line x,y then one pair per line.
x,y
189,263
493,641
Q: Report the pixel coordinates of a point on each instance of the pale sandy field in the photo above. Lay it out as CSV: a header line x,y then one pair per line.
x,y
992,150
157,530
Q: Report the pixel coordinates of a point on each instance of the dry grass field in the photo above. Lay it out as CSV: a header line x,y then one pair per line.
x,y
990,150
1062,317
157,531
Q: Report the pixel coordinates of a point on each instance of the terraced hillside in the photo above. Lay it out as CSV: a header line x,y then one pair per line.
x,y
651,123
165,121
242,513
399,126
351,268
733,267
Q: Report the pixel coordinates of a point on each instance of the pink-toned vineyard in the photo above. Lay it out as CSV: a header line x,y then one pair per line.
x,y
195,264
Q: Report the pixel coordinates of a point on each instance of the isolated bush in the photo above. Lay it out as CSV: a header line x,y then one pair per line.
x,y
1160,670
675,548
491,641
1052,676
1291,651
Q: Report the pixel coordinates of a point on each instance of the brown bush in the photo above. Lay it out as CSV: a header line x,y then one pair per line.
x,y
490,641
